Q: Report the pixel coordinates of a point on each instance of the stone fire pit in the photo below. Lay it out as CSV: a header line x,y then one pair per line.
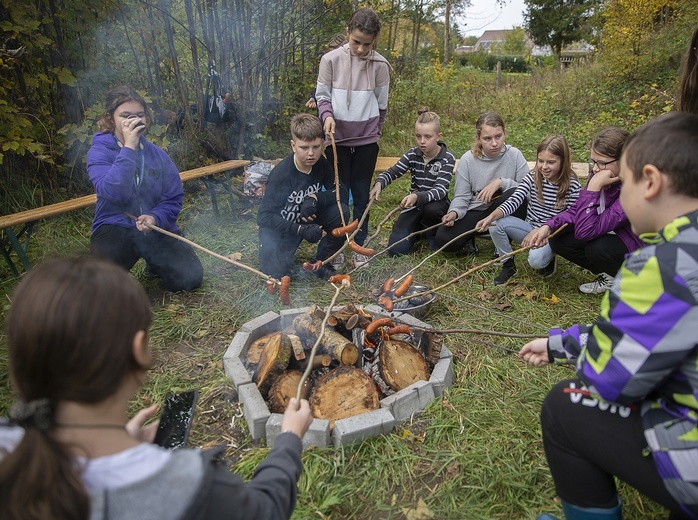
x,y
394,409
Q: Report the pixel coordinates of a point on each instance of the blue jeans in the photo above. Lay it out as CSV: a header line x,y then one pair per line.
x,y
516,229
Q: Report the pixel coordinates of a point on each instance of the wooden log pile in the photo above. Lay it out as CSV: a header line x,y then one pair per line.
x,y
360,359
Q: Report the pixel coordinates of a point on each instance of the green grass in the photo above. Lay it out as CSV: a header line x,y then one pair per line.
x,y
475,453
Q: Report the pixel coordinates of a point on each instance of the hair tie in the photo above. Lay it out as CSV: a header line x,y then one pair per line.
x,y
37,413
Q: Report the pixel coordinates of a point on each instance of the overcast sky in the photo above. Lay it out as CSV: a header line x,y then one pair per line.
x,y
484,15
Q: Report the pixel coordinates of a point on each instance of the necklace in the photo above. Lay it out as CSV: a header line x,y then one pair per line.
x,y
93,426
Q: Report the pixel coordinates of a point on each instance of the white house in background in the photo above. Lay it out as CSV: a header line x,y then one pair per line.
x,y
491,39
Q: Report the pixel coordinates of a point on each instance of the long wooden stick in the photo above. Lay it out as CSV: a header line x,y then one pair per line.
x,y
337,289
435,252
379,253
476,268
380,225
336,179
212,253
475,331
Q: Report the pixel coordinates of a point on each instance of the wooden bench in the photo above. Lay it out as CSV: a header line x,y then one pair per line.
x,y
13,241
383,163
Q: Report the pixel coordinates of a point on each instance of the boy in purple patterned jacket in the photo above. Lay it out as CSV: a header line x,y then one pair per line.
x,y
637,365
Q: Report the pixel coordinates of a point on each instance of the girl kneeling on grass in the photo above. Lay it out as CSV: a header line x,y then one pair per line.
x,y
550,188
77,335
598,234
431,165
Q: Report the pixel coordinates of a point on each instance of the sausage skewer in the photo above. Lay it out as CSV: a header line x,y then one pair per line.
x,y
197,246
476,268
336,179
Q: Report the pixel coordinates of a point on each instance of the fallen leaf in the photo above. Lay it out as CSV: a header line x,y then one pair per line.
x,y
529,294
447,404
421,512
235,256
485,296
553,299
504,306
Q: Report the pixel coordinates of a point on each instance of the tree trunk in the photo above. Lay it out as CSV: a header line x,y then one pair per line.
x,y
447,32
175,63
401,364
285,387
273,361
341,349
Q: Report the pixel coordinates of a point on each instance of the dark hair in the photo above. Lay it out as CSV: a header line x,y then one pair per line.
x,y
115,98
366,20
425,116
668,142
610,141
688,88
556,145
70,332
336,41
305,127
492,119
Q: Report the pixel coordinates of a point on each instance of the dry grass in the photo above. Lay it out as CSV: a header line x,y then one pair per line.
x,y
475,453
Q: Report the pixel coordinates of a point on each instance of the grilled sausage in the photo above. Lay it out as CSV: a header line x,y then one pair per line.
x,y
339,278
388,285
399,329
402,288
284,290
376,324
366,251
271,286
345,230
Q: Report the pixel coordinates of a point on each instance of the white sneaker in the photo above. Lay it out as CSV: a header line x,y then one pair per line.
x,y
338,262
602,284
359,260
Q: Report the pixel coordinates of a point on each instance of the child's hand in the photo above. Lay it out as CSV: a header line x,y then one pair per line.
x,y
308,208
602,179
328,126
311,103
144,222
489,191
537,238
535,352
484,224
449,218
409,201
135,426
376,191
296,419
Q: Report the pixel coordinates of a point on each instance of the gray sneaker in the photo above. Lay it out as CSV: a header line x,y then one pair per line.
x,y
600,285
359,259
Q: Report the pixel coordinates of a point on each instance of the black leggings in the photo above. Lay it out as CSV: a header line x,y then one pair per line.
x,y
604,254
446,234
356,165
588,442
414,219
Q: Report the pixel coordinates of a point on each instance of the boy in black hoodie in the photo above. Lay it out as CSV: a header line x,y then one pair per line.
x,y
294,207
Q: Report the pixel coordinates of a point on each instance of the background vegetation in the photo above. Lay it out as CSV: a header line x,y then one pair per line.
x,y
475,453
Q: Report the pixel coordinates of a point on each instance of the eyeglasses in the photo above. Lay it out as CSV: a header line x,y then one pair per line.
x,y
601,164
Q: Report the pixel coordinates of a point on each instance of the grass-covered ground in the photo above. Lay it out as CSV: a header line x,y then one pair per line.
x,y
475,453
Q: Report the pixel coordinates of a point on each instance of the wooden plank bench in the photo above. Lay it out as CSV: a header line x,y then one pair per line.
x,y
383,163
13,240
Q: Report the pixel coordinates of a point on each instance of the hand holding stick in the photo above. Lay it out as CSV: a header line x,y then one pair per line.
x,y
476,268
197,246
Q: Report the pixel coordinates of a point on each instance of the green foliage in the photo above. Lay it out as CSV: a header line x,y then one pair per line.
x,y
560,22
488,61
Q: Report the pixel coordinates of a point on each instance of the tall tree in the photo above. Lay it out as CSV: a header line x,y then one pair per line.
x,y
559,22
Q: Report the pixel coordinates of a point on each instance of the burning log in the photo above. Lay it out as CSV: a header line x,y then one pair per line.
x,y
401,364
284,388
343,392
341,349
297,346
273,361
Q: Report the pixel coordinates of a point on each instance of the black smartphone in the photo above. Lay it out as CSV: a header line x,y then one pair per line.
x,y
140,126
176,419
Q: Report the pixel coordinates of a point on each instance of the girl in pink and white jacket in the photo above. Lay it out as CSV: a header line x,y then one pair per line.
x,y
352,98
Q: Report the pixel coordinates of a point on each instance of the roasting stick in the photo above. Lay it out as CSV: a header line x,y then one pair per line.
x,y
435,252
350,237
378,228
397,242
336,180
197,246
337,290
476,268
473,331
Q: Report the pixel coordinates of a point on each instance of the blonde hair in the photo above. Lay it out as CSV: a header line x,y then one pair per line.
x,y
425,116
556,145
492,119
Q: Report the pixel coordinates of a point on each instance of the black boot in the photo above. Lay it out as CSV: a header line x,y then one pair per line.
x,y
508,270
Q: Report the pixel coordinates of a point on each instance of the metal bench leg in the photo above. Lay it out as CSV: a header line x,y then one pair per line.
x,y
17,247
211,187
